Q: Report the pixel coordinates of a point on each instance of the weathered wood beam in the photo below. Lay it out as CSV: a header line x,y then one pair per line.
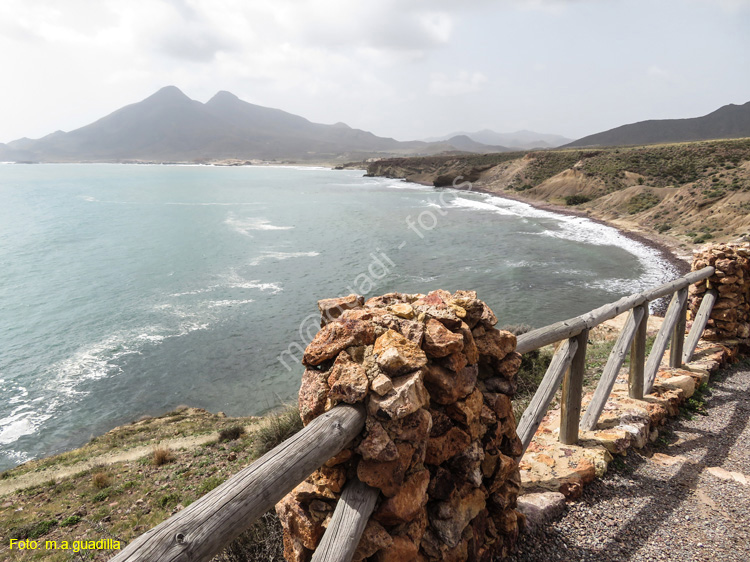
x,y
699,324
612,369
537,408
573,326
662,339
638,356
345,528
678,337
572,392
206,526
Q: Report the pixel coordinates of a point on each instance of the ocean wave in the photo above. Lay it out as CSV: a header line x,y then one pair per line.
x,y
247,225
282,256
583,230
409,185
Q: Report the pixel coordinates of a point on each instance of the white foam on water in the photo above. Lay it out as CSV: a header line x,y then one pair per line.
x,y
282,256
247,225
224,303
584,230
410,186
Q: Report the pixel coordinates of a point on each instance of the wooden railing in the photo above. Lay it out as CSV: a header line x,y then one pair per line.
x,y
205,527
567,366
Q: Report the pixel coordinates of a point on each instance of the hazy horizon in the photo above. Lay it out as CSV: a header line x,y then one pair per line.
x,y
405,70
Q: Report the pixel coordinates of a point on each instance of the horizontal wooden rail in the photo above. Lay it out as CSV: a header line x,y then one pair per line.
x,y
573,326
349,519
206,526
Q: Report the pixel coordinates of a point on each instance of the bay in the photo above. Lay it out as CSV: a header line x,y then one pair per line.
x,y
127,290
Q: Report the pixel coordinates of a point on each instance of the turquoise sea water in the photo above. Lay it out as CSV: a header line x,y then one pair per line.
x,y
128,290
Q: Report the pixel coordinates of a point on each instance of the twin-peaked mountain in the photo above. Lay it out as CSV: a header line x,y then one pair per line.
x,y
169,126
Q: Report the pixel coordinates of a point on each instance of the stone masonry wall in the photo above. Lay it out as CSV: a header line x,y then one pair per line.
x,y
730,317
440,440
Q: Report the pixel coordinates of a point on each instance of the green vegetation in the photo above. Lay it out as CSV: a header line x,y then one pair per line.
x,y
642,202
278,427
231,433
577,199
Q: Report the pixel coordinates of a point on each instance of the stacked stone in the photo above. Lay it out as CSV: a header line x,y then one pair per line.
x,y
730,317
440,440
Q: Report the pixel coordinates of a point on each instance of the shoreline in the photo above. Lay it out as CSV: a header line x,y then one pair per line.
x,y
666,251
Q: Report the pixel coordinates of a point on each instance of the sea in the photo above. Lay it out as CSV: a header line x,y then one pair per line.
x,y
127,290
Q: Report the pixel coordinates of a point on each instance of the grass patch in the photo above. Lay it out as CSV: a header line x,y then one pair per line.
x,y
278,428
231,433
262,541
101,480
577,199
70,521
161,456
642,202
696,404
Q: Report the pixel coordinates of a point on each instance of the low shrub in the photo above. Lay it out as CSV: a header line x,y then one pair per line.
x,y
161,456
231,433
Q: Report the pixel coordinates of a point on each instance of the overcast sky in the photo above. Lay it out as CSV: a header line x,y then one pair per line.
x,y
402,68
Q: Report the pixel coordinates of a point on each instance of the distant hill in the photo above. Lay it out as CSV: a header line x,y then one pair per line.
x,y
525,140
728,122
168,126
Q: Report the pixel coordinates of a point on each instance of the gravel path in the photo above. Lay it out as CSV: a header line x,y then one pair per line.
x,y
684,498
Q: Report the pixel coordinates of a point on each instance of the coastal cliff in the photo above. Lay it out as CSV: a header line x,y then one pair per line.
x,y
685,193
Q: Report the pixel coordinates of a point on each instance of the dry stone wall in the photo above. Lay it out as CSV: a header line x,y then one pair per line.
x,y
436,378
730,317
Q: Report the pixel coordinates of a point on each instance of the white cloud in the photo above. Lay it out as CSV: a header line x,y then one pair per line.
x,y
464,83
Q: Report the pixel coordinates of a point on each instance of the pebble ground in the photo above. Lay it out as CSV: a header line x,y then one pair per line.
x,y
664,502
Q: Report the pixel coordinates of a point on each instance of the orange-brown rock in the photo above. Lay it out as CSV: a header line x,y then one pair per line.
x,y
330,477
439,341
313,393
347,381
374,538
377,445
407,503
467,412
508,367
406,397
402,549
470,347
297,520
449,518
396,355
494,345
387,476
340,458
330,309
447,386
335,337
440,449
414,428
454,362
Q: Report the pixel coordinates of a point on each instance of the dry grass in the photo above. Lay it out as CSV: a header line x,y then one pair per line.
x,y
277,428
231,433
100,480
161,456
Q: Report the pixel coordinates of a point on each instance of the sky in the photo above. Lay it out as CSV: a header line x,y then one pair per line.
x,y
407,69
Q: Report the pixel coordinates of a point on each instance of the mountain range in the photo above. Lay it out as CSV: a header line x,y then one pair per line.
x,y
168,126
728,122
520,140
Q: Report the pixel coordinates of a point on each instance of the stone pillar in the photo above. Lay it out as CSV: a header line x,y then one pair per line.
x,y
731,314
440,439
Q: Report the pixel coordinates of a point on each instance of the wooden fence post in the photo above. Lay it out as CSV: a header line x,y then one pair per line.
x,y
349,519
678,337
638,356
572,390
